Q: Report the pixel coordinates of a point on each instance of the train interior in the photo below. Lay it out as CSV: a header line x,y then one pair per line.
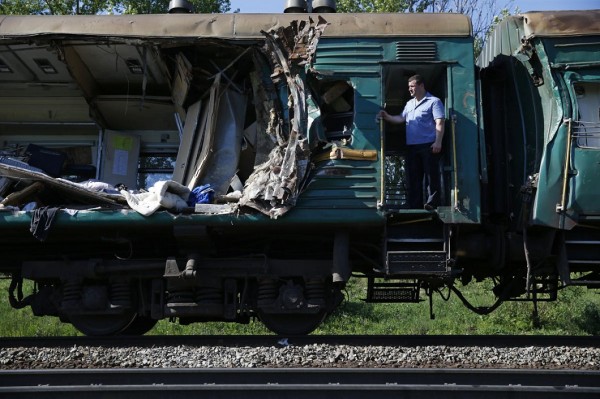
x,y
104,113
113,116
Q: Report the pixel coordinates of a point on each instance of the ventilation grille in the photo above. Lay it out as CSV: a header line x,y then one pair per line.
x,y
339,56
416,51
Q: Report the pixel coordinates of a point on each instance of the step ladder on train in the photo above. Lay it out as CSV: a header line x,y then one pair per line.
x,y
583,256
414,252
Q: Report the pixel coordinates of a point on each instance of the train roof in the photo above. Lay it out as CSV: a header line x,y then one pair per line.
x,y
560,23
230,26
507,37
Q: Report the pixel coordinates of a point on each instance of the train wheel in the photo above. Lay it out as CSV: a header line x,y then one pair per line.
x,y
139,326
98,325
292,324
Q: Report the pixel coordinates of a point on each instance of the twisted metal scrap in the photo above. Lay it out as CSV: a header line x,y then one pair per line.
x,y
274,186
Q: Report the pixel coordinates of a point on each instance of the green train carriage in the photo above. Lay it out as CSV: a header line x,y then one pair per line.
x,y
117,85
540,78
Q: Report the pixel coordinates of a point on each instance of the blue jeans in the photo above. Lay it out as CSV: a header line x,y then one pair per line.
x,y
423,167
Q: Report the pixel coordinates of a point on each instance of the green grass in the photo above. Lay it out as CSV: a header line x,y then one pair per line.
x,y
577,312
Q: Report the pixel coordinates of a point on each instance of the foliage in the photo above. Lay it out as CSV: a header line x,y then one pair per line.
x,y
161,6
577,312
382,5
62,7
484,18
92,7
479,40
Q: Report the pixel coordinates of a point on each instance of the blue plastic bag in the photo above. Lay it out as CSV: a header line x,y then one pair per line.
x,y
201,195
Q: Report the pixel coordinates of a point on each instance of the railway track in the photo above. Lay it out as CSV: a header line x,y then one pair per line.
x,y
267,381
299,383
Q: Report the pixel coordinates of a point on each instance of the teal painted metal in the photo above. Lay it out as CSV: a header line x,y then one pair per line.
x,y
344,188
546,54
360,62
568,189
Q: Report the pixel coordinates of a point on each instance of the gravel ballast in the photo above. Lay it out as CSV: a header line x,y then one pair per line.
x,y
315,355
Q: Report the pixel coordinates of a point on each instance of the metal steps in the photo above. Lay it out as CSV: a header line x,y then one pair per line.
x,y
416,250
414,263
414,253
392,292
583,255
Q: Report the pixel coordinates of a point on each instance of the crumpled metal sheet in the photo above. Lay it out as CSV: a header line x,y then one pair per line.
x,y
224,155
274,186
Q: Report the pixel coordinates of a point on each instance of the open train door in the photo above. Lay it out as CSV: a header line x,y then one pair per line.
x,y
460,182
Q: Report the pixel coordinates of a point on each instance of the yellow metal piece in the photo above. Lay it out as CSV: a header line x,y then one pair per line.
x,y
454,161
563,200
347,153
355,155
382,166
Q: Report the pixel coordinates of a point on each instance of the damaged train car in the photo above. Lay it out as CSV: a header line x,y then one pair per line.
x,y
183,166
227,167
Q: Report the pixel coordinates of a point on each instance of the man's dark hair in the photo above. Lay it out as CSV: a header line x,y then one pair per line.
x,y
417,78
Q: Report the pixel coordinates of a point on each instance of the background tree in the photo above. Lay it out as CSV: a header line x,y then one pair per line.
x,y
484,14
50,7
382,5
162,6
91,7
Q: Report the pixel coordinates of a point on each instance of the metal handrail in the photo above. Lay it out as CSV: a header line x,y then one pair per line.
x,y
562,206
587,134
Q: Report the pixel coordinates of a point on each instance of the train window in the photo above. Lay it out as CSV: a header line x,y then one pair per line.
x,y
587,125
155,167
337,109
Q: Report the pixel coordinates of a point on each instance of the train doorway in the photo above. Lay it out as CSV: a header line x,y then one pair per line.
x,y
395,94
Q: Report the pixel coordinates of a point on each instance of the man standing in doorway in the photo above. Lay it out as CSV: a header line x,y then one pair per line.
x,y
424,116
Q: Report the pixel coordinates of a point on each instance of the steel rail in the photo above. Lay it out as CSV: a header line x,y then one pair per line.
x,y
300,383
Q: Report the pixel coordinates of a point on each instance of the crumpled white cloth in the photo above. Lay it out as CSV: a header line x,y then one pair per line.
x,y
165,193
98,186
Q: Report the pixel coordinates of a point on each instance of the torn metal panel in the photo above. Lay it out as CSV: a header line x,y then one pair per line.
x,y
63,187
207,129
188,139
225,150
315,129
274,186
80,72
267,119
181,83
